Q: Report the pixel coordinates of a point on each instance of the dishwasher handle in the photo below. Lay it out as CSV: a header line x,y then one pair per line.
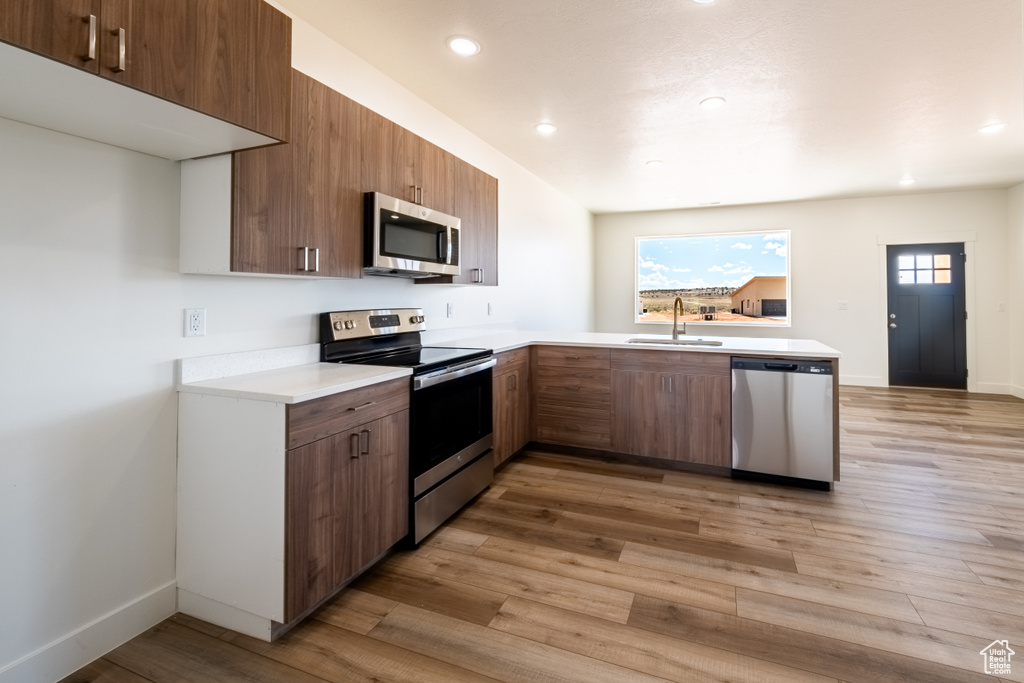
x,y
784,367
811,367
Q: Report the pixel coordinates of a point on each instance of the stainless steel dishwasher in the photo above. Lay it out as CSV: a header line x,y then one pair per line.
x,y
782,421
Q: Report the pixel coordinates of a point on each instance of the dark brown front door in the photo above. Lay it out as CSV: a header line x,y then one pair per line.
x,y
927,316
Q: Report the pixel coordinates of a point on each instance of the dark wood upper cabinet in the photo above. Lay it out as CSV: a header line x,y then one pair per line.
x,y
59,29
230,59
298,208
157,43
238,72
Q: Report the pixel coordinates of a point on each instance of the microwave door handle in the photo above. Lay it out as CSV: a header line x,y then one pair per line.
x,y
440,244
448,257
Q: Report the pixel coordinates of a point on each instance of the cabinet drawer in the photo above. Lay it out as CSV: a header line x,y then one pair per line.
x,y
572,357
574,387
512,360
680,362
322,417
574,426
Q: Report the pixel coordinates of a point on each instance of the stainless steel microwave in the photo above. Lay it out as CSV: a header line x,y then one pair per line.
x,y
408,240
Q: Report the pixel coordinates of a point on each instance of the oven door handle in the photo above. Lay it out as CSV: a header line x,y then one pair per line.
x,y
448,374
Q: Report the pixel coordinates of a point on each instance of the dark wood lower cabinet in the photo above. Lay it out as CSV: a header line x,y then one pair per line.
x,y
347,505
511,413
672,406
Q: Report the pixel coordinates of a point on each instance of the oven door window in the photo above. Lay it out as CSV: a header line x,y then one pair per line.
x,y
447,418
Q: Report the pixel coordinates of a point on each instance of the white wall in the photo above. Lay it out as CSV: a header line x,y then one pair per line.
x,y
835,256
92,324
1015,298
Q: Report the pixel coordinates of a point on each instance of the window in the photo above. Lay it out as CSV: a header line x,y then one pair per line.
x,y
925,269
735,278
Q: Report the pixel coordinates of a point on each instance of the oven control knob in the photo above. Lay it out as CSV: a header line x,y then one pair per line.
x,y
338,325
416,319
349,324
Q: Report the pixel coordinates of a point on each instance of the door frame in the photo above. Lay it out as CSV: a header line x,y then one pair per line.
x,y
968,237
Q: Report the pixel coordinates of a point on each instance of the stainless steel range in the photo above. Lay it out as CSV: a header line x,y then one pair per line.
x,y
450,415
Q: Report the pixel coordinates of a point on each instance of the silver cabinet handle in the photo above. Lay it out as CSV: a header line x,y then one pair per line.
x,y
353,445
362,407
90,53
304,259
478,275
365,450
122,51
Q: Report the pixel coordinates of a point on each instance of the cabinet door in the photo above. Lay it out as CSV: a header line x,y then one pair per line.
x,y
388,154
511,414
309,522
242,53
59,29
476,203
158,55
706,416
436,171
643,419
297,209
371,495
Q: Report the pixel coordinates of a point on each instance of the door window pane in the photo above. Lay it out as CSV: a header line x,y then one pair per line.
x,y
942,260
906,277
943,277
924,277
906,262
924,261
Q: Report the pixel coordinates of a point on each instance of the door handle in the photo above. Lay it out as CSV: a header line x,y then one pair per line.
x,y
892,326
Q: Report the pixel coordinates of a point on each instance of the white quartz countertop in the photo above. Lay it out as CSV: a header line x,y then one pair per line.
x,y
297,383
305,381
747,346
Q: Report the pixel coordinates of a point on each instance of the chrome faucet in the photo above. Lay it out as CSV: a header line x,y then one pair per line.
x,y
677,308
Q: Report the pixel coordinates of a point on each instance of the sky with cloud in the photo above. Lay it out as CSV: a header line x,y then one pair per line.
x,y
710,260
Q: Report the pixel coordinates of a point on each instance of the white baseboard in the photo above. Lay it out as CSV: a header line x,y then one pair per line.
x,y
224,615
854,381
992,388
66,655
1017,391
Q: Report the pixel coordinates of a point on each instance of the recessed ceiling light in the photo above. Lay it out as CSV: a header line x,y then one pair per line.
x,y
906,182
991,128
462,46
712,103
546,128
655,163
704,2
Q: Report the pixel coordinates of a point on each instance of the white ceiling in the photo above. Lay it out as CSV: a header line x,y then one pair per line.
x,y
825,98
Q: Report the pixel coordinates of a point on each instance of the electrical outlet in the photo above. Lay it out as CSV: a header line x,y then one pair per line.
x,y
1001,307
195,322
490,309
451,310
844,305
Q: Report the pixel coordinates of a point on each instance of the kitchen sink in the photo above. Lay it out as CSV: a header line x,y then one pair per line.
x,y
676,342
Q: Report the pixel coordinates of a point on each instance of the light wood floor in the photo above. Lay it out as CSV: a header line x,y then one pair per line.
x,y
579,570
